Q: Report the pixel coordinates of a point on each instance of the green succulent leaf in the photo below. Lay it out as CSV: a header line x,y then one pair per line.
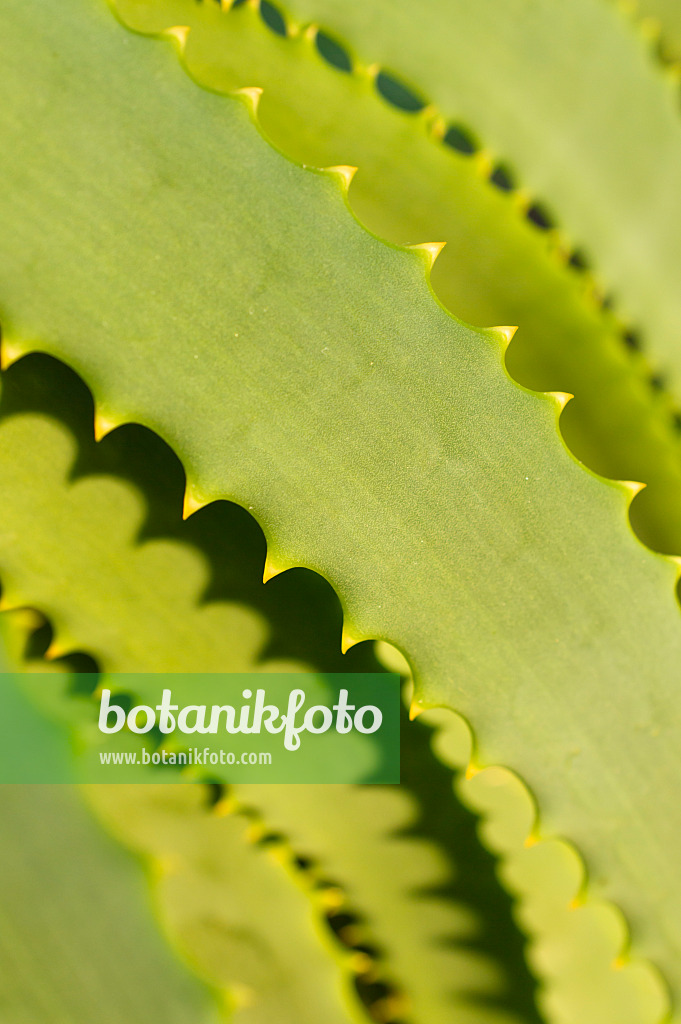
x,y
660,20
571,97
394,879
118,605
152,617
229,905
61,961
575,940
497,267
146,591
300,366
79,942
213,885
263,954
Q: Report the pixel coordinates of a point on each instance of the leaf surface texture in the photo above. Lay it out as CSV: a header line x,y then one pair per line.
x,y
572,98
301,367
497,267
151,617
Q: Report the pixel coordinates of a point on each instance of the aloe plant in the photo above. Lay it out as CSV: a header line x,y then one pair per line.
x,y
266,320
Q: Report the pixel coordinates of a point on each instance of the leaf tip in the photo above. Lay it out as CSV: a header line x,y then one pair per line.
x,y
415,709
331,897
360,962
272,569
57,649
240,997
225,806
632,487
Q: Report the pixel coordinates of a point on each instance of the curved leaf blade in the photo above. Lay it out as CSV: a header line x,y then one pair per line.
x,y
150,616
496,266
60,961
543,87
515,534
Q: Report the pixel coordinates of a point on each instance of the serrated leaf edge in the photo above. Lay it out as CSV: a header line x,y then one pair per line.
x,y
14,349
484,161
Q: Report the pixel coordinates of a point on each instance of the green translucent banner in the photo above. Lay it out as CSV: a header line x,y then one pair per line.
x,y
199,727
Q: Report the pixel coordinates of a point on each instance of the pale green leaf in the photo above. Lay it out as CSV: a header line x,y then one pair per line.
x,y
496,268
354,836
263,954
571,97
660,20
237,918
79,942
302,368
150,617
78,939
575,940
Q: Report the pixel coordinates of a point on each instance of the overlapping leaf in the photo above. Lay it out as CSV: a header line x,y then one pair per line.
x,y
83,531
573,99
237,918
78,941
575,940
497,267
355,836
301,367
143,589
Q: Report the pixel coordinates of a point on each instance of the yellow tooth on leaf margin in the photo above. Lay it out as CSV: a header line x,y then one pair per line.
x,y
191,503
251,94
346,172
103,425
272,569
431,249
348,638
506,334
561,397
